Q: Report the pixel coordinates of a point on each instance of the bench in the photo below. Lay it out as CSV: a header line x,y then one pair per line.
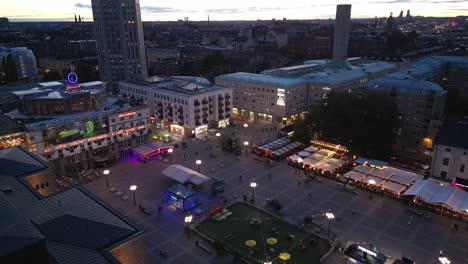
x,y
229,237
205,248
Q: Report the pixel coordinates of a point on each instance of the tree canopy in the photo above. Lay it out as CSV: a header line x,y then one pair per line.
x,y
301,132
366,124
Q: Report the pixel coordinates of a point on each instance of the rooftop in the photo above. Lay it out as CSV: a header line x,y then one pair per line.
x,y
453,134
27,218
181,85
311,72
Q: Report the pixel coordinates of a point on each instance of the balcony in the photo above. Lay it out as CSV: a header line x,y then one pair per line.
x,y
211,112
210,99
197,123
220,117
205,115
220,104
220,97
205,109
205,121
197,110
228,103
197,117
220,111
227,109
227,97
180,110
204,102
196,103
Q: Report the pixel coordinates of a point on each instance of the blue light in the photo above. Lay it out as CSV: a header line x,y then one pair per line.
x,y
72,78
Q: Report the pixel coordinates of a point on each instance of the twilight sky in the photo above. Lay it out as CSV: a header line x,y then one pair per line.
x,y
163,10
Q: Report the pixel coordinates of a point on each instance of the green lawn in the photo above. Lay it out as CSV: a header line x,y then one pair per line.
x,y
238,224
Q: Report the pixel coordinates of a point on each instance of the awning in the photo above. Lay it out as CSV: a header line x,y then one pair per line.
x,y
357,176
183,175
363,169
394,187
311,149
378,181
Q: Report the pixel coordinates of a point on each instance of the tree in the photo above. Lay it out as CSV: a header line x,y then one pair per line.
x,y
366,124
52,76
86,73
11,74
301,132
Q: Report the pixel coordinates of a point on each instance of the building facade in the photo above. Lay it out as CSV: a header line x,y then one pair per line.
x,y
24,59
284,94
166,62
120,41
421,98
450,155
191,105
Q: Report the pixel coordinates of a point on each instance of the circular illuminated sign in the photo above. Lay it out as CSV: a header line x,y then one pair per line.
x,y
72,78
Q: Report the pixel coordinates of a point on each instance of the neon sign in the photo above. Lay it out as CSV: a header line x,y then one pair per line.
x,y
126,114
72,78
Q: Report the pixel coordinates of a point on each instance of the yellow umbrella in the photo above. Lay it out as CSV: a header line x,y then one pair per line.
x,y
284,256
271,241
250,243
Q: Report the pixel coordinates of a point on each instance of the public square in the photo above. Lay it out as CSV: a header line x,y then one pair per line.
x,y
382,221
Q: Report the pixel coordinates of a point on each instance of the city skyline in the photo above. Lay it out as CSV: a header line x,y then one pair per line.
x,y
48,10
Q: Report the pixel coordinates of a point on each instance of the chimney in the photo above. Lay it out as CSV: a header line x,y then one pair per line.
x,y
340,41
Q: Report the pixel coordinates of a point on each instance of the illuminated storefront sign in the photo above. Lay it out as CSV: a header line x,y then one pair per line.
x,y
280,97
92,139
72,79
201,129
126,114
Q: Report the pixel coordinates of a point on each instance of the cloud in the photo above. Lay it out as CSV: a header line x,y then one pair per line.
x,y
80,5
155,9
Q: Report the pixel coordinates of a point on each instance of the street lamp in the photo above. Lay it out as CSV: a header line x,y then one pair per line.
x,y
372,183
329,216
188,220
133,188
218,136
198,162
245,129
253,185
246,144
106,173
170,154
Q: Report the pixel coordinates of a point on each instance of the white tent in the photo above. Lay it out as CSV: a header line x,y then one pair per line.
x,y
433,192
311,149
357,176
394,187
183,175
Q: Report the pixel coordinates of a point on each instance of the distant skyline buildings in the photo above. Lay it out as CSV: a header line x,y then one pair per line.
x,y
50,10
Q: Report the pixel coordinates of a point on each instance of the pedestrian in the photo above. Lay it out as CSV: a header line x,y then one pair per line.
x,y
184,155
196,153
353,213
310,194
139,206
269,176
240,178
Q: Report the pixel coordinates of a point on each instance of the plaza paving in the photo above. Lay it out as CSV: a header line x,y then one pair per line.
x,y
381,221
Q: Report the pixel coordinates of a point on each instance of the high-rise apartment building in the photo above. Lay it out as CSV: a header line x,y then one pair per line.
x,y
120,41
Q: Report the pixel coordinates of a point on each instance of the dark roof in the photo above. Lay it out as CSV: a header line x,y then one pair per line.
x,y
81,232
17,161
453,134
